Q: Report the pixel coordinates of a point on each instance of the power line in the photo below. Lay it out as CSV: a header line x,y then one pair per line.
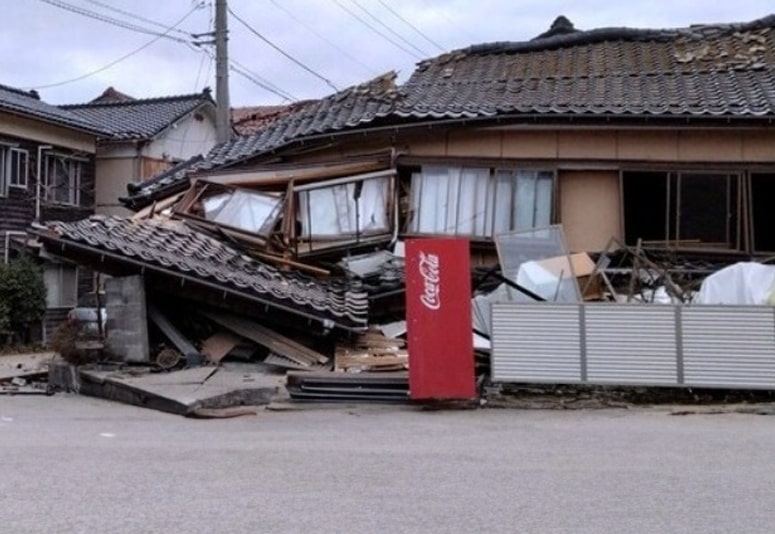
x,y
283,52
388,28
110,20
375,30
251,76
248,76
417,30
122,58
136,16
261,81
323,38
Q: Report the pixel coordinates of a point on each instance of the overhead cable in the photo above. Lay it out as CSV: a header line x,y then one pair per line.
x,y
138,17
283,52
388,28
122,58
115,22
417,30
323,38
375,30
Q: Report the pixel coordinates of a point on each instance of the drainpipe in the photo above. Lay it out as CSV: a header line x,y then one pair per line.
x,y
39,178
7,249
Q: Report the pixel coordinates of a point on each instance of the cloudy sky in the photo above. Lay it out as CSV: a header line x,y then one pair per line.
x,y
284,50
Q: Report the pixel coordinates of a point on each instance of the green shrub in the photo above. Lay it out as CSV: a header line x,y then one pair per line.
x,y
22,296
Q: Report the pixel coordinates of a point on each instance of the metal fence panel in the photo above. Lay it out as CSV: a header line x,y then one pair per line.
x,y
631,344
729,346
536,343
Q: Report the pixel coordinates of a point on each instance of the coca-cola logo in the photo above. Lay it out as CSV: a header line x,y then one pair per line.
x,y
429,270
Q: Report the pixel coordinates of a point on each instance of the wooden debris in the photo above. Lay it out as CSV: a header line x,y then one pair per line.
x,y
274,341
217,346
371,351
222,413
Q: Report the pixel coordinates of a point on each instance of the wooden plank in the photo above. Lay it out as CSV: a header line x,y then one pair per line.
x,y
171,331
217,346
268,338
344,361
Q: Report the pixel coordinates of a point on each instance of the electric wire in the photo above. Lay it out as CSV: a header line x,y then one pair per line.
x,y
388,28
139,17
323,38
283,52
412,26
110,20
375,30
122,58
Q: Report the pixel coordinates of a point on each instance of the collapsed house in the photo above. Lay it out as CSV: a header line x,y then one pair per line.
x,y
645,139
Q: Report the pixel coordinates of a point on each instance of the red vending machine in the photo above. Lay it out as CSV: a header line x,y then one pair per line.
x,y
438,308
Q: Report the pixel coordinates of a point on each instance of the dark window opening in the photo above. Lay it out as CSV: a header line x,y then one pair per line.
x,y
645,206
688,209
762,193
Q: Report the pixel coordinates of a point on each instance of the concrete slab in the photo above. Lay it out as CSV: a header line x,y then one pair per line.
x,y
186,391
24,365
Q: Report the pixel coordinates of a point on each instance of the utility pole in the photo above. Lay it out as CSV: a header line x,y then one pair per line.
x,y
223,111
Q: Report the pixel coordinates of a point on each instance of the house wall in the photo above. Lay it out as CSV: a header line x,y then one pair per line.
x,y
190,136
45,133
114,173
657,145
589,208
119,164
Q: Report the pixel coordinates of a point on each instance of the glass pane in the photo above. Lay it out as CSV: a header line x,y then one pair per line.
x,y
249,211
526,200
543,200
505,189
538,260
345,209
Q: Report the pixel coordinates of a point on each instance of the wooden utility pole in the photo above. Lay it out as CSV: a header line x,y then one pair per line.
x,y
223,112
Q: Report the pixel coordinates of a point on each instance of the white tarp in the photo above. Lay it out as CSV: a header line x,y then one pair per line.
x,y
741,283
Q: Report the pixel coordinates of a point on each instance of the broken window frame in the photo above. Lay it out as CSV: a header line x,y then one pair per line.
x,y
488,209
298,210
191,207
62,179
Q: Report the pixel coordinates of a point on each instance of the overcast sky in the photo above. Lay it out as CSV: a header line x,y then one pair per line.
x,y
66,55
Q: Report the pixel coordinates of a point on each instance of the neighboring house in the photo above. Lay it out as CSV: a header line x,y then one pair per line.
x,y
658,135
47,171
144,137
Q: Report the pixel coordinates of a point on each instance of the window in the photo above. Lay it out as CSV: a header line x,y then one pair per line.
x,y
61,285
685,208
479,202
13,169
355,208
63,180
246,210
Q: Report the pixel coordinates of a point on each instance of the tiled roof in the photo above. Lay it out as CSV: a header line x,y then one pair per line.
x,y
172,246
725,71
719,70
248,120
138,119
29,104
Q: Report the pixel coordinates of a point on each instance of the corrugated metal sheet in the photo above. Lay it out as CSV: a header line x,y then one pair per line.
x,y
536,342
700,346
631,344
729,346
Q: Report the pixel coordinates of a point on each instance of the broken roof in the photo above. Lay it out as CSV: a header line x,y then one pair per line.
x,y
173,248
125,118
248,120
708,71
29,104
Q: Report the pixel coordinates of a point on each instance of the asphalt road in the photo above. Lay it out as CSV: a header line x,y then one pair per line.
x,y
74,464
